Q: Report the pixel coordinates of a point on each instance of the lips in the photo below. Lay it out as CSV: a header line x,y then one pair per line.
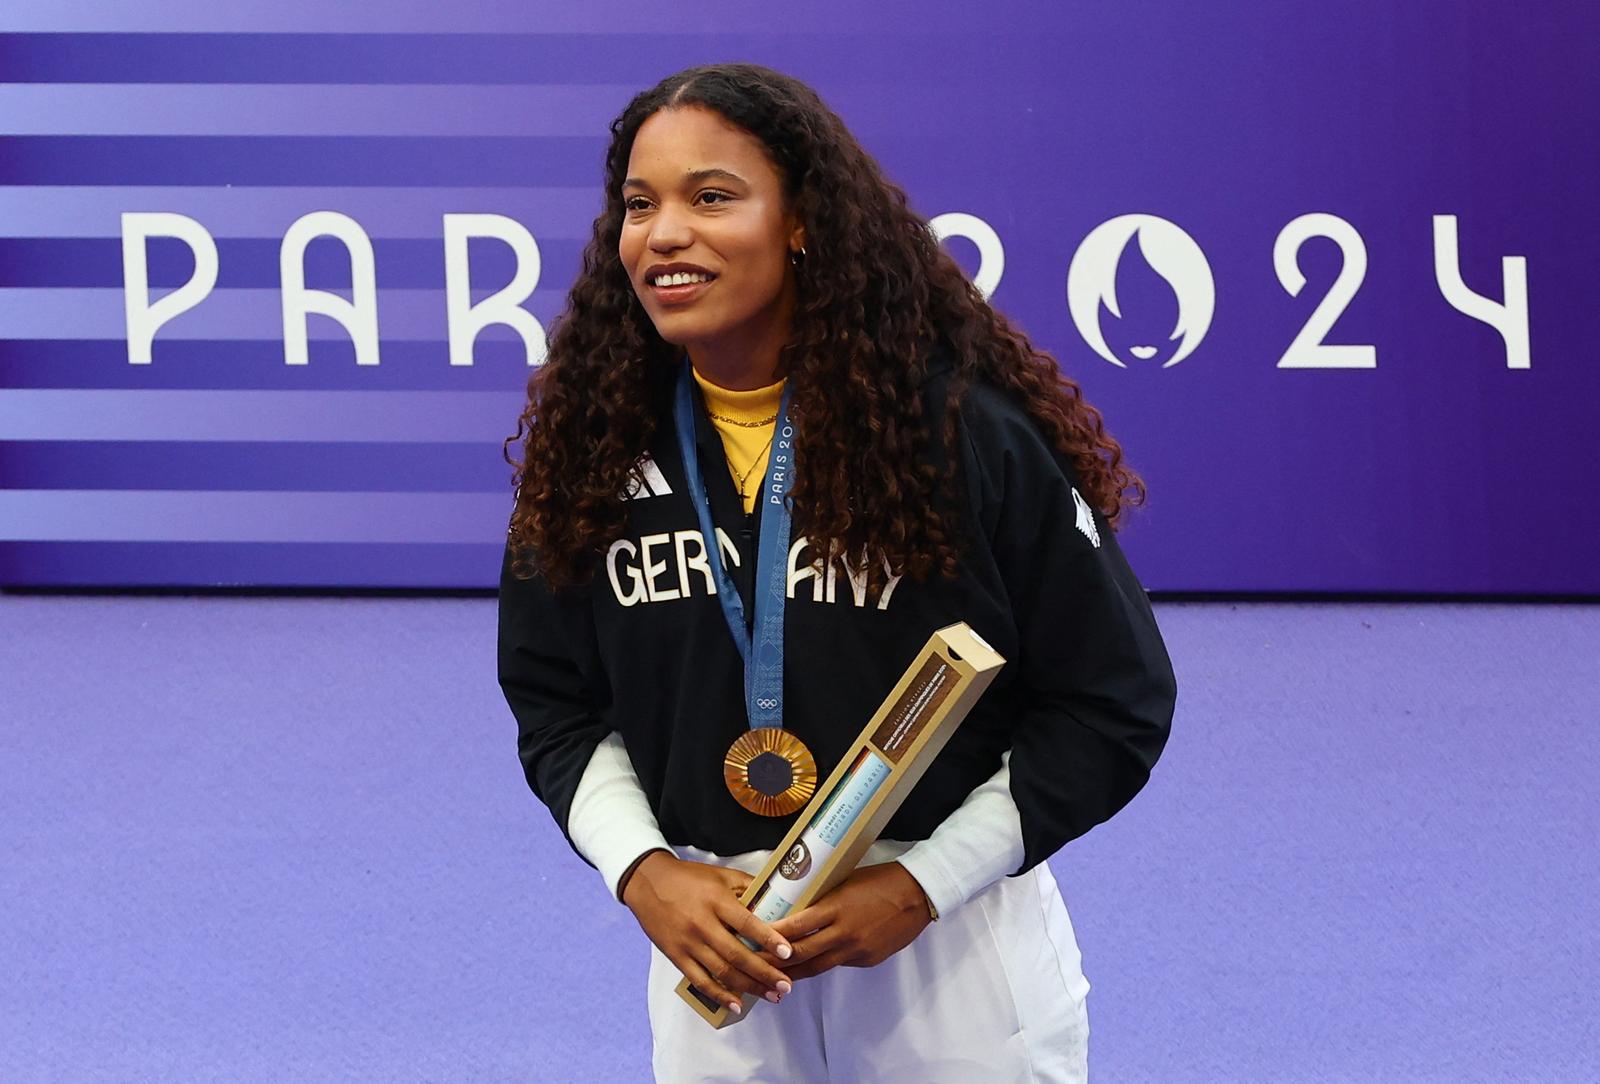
x,y
656,270
675,295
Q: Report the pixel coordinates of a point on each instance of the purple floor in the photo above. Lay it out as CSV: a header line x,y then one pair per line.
x,y
288,839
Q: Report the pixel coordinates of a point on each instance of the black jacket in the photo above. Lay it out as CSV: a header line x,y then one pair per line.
x,y
1085,700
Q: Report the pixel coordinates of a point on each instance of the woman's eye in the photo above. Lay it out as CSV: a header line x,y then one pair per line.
x,y
639,203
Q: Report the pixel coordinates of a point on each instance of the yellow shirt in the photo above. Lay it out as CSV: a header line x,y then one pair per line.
x,y
746,421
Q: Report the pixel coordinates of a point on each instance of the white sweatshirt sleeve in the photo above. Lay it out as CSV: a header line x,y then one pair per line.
x,y
976,845
610,821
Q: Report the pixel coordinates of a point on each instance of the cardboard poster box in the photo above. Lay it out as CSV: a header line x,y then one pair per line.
x,y
852,806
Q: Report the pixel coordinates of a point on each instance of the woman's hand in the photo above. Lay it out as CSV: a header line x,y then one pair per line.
x,y
691,910
871,915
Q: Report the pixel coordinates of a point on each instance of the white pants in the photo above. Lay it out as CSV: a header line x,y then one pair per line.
x,y
993,991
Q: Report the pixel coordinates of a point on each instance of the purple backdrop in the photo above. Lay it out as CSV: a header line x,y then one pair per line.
x,y
1402,421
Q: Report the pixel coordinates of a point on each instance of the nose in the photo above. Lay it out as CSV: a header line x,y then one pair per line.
x,y
670,229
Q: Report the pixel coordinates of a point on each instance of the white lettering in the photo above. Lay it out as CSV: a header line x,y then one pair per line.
x,y
653,569
502,307
638,592
991,253
780,472
725,546
858,582
645,572
888,589
682,540
144,317
1509,319
796,573
1308,351
359,315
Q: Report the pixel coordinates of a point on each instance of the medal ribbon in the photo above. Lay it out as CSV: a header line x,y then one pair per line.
x,y
762,647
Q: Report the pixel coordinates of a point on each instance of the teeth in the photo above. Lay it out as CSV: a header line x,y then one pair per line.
x,y
682,278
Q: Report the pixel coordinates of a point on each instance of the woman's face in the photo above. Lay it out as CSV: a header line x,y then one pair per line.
x,y
702,192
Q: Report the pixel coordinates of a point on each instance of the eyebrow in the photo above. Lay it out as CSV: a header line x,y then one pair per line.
x,y
694,176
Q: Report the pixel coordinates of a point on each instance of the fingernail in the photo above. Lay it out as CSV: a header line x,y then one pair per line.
x,y
772,997
784,986
784,951
733,1007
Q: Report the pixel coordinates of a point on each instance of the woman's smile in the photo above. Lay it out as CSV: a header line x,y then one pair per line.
x,y
679,287
680,293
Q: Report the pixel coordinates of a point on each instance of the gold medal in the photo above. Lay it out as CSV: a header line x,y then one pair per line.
x,y
770,771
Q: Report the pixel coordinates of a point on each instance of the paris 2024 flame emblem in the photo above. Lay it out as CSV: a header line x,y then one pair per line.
x,y
797,863
1173,257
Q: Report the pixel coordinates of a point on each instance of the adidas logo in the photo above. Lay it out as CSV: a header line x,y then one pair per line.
x,y
652,483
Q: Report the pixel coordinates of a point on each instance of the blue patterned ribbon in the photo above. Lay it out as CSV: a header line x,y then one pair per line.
x,y
762,647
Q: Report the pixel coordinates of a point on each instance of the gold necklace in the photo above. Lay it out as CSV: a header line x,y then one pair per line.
x,y
748,471
744,425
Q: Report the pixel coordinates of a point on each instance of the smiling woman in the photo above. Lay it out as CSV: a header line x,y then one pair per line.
x,y
707,240
759,304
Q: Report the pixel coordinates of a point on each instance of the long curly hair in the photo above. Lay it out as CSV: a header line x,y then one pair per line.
x,y
876,298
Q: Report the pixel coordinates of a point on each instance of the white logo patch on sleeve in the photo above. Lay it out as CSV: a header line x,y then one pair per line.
x,y
1086,518
655,483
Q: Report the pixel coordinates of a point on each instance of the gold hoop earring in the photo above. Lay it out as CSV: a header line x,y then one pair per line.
x,y
798,258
